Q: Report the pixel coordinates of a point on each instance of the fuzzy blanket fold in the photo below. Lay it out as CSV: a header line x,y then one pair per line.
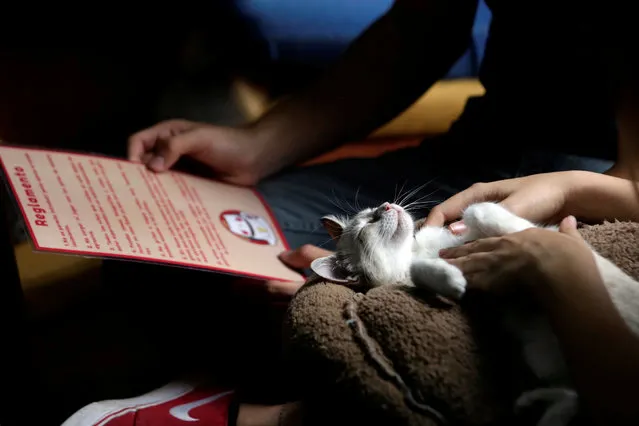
x,y
390,356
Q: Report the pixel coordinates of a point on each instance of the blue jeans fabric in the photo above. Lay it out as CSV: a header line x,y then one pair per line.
x,y
300,197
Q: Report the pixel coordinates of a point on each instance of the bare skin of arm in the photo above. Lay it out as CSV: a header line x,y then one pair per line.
x,y
384,71
619,46
627,116
395,61
599,197
559,269
600,349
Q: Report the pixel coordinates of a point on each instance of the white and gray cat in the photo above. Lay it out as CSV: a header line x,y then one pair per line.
x,y
380,246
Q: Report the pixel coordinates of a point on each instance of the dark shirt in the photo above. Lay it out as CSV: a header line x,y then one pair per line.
x,y
546,83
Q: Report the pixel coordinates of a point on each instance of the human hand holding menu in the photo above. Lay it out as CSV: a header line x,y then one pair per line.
x,y
98,206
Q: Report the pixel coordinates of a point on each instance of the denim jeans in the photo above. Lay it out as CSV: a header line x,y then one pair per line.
x,y
300,197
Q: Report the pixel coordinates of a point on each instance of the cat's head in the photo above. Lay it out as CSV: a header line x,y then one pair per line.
x,y
373,247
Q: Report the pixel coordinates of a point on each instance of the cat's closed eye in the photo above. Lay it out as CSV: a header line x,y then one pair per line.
x,y
374,217
359,234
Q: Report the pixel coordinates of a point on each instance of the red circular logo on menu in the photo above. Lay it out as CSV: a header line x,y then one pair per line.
x,y
250,227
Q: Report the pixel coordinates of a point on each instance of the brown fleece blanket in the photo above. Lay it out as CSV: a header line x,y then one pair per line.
x,y
396,357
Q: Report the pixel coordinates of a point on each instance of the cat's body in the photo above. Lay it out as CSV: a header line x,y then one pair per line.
x,y
380,247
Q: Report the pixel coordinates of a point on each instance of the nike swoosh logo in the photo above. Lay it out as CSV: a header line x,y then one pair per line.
x,y
181,412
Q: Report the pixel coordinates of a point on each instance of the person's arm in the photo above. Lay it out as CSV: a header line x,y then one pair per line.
x,y
547,198
383,72
619,45
627,121
560,271
597,197
601,351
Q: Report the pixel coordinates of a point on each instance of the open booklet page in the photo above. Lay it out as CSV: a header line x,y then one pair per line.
x,y
97,206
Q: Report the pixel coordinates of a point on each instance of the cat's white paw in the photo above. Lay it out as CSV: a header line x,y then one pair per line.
x,y
492,220
438,276
548,395
562,405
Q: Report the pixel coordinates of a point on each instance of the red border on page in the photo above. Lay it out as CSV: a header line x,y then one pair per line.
x,y
136,258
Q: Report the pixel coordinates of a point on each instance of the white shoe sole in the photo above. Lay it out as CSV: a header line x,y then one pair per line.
x,y
99,413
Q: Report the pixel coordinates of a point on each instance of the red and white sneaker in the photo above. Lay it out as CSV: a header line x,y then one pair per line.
x,y
175,404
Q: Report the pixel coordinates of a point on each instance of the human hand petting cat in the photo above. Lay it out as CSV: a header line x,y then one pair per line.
x,y
532,257
538,198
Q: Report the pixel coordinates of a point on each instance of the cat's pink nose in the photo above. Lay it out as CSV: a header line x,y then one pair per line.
x,y
387,206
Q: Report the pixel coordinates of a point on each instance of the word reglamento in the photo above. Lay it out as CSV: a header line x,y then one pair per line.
x,y
32,201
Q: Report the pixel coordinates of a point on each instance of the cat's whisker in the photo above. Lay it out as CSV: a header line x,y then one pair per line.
x,y
424,199
340,206
402,199
416,190
418,209
412,193
418,205
422,202
420,199
414,206
398,195
317,227
353,209
325,242
357,206
408,194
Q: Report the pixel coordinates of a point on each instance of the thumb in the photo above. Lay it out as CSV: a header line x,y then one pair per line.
x,y
302,257
169,151
568,226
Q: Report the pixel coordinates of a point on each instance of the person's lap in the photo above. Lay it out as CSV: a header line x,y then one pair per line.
x,y
199,307
300,197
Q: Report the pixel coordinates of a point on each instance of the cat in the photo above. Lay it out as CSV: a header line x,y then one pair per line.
x,y
380,246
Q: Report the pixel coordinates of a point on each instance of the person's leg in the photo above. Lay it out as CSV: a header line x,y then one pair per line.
x,y
533,162
300,197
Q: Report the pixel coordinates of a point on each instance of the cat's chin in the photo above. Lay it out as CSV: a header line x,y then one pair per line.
x,y
404,228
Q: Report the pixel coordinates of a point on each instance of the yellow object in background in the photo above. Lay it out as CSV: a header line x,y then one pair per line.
x,y
431,114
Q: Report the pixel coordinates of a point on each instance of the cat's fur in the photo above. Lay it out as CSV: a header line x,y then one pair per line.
x,y
379,246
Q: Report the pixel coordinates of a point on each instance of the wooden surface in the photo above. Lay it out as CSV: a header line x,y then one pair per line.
x,y
433,113
15,367
51,282
366,149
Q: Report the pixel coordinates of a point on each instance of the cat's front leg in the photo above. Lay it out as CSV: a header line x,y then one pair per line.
x,y
438,276
492,220
562,405
623,289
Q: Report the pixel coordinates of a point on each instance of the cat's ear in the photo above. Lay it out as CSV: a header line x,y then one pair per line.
x,y
328,268
334,226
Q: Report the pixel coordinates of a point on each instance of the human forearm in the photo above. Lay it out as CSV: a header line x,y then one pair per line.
x,y
597,197
394,62
600,350
627,164
626,104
